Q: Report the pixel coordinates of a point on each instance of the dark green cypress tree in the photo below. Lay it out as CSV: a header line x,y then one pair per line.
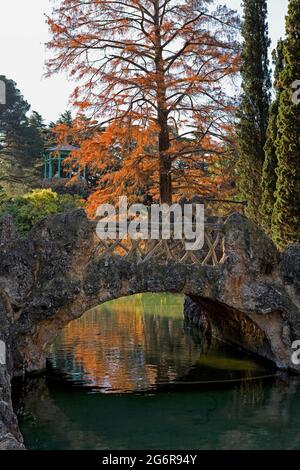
x,y
286,215
269,176
254,108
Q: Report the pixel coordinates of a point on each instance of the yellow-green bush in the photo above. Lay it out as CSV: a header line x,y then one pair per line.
x,y
28,209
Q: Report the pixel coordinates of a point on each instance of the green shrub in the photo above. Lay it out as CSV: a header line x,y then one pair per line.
x,y
28,209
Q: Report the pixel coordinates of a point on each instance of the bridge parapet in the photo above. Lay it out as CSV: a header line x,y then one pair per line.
x,y
163,250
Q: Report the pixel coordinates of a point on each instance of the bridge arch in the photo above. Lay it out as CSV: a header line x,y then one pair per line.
x,y
229,324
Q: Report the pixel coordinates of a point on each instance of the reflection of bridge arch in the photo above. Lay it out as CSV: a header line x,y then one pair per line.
x,y
246,293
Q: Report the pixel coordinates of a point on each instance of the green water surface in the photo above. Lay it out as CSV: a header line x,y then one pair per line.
x,y
131,375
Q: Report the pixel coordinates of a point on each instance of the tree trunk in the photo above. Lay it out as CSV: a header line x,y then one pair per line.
x,y
165,163
165,182
165,176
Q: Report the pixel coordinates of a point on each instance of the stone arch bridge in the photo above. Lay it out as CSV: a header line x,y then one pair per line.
x,y
247,291
246,288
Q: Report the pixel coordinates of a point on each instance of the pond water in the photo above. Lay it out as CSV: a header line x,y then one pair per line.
x,y
130,375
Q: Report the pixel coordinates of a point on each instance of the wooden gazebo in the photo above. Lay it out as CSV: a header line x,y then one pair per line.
x,y
53,163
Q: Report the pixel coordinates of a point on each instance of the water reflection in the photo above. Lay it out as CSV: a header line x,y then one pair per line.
x,y
140,343
251,416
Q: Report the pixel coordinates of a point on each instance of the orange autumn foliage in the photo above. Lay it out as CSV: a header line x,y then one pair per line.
x,y
152,76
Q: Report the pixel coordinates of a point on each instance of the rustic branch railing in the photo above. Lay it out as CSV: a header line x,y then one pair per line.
x,y
162,251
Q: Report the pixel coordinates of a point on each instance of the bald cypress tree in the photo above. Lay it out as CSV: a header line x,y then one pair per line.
x,y
286,215
269,175
254,107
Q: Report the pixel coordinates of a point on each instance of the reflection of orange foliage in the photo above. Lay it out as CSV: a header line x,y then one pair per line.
x,y
129,344
99,352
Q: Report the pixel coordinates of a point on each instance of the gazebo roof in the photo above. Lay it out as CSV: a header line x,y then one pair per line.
x,y
62,148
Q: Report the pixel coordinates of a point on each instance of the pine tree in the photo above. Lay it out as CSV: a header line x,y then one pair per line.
x,y
13,122
65,118
254,108
269,176
21,142
36,135
286,215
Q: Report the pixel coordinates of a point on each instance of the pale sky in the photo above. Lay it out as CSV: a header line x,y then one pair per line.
x,y
23,33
